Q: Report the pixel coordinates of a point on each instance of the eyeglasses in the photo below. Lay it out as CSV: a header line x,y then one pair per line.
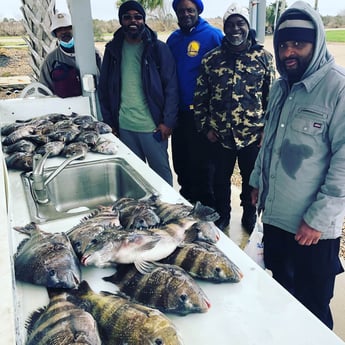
x,y
130,17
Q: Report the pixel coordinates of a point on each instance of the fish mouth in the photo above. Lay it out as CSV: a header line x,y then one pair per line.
x,y
84,259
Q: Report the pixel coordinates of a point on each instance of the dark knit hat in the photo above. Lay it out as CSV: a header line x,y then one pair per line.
x,y
296,26
198,4
131,6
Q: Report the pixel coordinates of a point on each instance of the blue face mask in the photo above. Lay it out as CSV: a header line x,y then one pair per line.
x,y
69,44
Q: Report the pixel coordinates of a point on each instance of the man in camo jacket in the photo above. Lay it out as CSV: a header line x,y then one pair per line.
x,y
229,106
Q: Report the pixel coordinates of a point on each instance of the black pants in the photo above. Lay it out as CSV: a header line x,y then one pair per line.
x,y
307,272
190,160
223,162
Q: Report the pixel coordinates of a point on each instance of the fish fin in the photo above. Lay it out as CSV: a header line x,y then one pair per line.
x,y
145,267
33,317
204,212
28,229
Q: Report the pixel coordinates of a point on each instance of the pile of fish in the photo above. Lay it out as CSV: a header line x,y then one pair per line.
x,y
56,134
157,250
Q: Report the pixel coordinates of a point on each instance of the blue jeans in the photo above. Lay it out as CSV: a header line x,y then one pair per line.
x,y
148,149
307,272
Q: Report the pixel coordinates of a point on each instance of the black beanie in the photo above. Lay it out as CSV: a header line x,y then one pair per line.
x,y
296,26
131,5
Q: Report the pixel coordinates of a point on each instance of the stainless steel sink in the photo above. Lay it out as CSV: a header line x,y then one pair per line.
x,y
83,186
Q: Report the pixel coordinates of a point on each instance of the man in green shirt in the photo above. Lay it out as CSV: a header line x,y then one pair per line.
x,y
138,89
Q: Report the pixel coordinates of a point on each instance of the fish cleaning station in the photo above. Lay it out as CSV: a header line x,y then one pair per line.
x,y
239,301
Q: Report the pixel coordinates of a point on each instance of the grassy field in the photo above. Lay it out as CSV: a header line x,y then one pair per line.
x,y
337,35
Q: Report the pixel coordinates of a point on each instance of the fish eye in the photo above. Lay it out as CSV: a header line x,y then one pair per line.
x,y
58,246
183,297
52,273
217,269
159,342
94,241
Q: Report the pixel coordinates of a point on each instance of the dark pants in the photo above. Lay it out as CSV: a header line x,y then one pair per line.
x,y
307,272
223,162
189,159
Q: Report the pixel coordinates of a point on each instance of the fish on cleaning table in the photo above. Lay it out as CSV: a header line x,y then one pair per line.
x,y
54,147
206,231
126,247
205,261
122,322
22,145
136,214
105,146
75,148
20,161
169,212
20,133
123,247
104,217
165,287
46,259
62,323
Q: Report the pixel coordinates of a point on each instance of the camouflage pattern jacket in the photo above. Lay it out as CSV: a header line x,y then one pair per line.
x,y
232,93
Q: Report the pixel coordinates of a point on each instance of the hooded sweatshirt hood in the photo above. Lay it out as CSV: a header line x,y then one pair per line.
x,y
321,54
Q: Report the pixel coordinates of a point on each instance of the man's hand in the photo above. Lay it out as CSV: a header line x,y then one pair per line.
x,y
166,131
254,195
306,235
212,136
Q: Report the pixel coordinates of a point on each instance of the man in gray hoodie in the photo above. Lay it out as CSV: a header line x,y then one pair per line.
x,y
299,175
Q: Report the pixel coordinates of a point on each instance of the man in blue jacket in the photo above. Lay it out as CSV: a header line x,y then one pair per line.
x,y
188,45
299,175
138,90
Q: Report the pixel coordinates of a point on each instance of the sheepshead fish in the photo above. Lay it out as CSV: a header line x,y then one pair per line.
x,y
101,127
20,133
20,161
205,261
111,247
9,128
63,323
66,135
121,321
22,145
165,287
138,216
106,147
206,231
88,137
76,148
46,259
127,247
168,212
104,217
54,147
82,120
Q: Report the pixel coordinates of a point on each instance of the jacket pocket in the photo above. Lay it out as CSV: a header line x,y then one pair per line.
x,y
311,121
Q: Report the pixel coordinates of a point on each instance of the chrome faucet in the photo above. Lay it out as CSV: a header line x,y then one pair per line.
x,y
40,182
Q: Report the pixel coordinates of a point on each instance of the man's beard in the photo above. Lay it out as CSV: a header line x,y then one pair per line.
x,y
296,74
134,34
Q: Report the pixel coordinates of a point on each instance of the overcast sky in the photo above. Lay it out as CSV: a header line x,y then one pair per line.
x,y
105,9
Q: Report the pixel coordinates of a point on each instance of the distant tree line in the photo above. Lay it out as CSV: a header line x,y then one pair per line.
x,y
159,21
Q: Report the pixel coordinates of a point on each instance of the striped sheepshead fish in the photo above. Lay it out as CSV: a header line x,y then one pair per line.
x,y
46,259
62,323
169,212
121,321
205,261
165,287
